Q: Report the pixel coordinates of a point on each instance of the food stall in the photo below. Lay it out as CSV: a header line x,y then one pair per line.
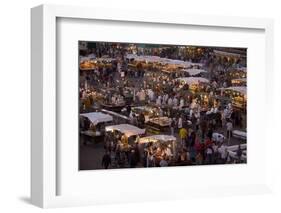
x,y
126,133
237,73
166,145
147,111
112,100
233,149
229,56
240,134
90,63
96,119
238,96
163,64
239,82
159,122
194,83
117,107
126,129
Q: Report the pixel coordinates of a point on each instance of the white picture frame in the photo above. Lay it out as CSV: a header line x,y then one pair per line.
x,y
44,169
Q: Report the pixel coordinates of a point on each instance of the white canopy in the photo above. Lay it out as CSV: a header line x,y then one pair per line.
x,y
223,53
150,58
242,89
127,129
87,58
244,69
240,79
97,117
105,59
193,80
235,147
193,72
155,138
93,57
239,134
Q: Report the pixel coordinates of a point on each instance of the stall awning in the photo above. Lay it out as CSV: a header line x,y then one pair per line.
x,y
155,138
242,89
239,80
193,80
223,53
97,117
193,72
157,59
127,129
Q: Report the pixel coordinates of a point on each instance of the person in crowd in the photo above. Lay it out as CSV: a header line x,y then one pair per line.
x,y
175,102
106,160
163,162
172,126
203,127
199,158
215,151
209,154
239,154
170,102
133,159
181,103
180,123
183,135
229,128
141,120
129,109
150,159
223,153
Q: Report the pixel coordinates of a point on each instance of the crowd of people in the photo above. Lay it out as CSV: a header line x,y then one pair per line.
x,y
201,124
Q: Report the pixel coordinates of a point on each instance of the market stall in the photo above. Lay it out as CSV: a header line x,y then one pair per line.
x,y
237,73
126,129
232,151
229,57
112,100
126,134
160,145
92,126
239,82
239,134
238,95
194,83
160,122
163,64
147,111
91,63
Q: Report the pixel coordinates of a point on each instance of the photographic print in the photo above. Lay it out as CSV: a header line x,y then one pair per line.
x,y
157,105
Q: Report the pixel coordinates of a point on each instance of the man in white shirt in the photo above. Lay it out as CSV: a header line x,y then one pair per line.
x,y
180,123
229,128
170,102
158,101
175,102
181,103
